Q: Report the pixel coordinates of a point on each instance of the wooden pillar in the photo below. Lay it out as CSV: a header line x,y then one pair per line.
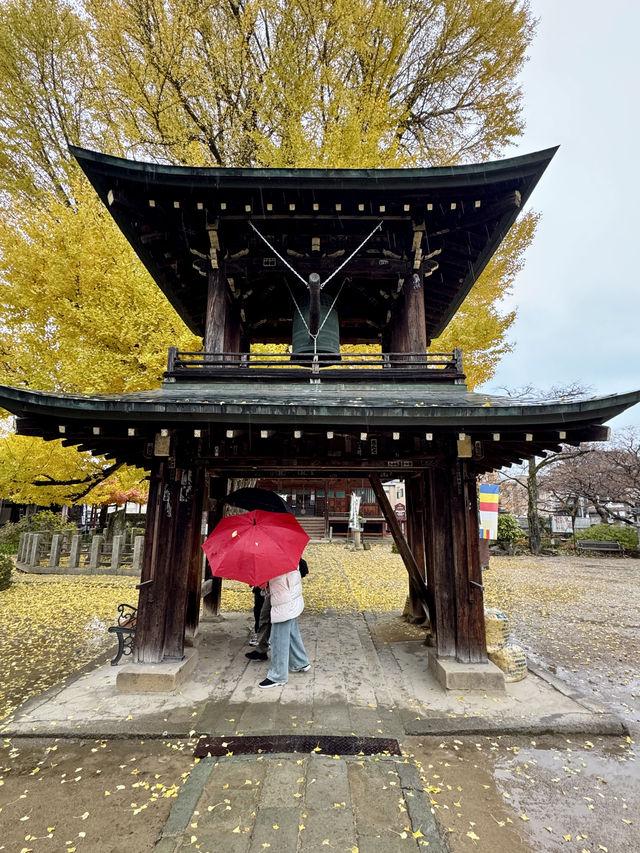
x,y
149,637
471,643
439,561
216,493
453,564
186,516
409,333
414,612
172,516
217,310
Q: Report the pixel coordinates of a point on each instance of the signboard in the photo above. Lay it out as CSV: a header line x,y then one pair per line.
x,y
400,512
561,524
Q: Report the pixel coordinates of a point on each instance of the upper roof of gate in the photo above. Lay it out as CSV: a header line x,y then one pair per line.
x,y
443,224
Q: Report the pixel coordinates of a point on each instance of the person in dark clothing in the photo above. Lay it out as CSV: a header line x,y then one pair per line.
x,y
258,601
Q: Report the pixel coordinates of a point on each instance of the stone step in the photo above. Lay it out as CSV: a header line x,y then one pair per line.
x,y
312,525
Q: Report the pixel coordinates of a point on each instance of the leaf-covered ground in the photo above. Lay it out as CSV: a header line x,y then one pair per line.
x,y
54,625
578,617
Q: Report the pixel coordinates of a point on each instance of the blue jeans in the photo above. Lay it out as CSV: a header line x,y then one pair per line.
x,y
287,650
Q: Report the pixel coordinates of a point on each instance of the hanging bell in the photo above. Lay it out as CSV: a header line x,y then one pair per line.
x,y
328,341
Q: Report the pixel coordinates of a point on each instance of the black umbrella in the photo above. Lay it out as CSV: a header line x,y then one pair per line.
x,y
254,498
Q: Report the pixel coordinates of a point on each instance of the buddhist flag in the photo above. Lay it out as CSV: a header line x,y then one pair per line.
x,y
489,499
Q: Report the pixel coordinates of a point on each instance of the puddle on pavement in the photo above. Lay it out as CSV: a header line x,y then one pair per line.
x,y
532,794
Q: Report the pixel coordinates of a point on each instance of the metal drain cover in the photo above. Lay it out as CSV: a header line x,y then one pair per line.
x,y
269,744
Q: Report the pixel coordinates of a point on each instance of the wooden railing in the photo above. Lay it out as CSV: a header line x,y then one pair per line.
x,y
408,366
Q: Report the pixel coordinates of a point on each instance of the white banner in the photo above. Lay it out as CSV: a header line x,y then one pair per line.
x,y
354,511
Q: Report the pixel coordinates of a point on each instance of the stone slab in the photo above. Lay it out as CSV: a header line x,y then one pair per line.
x,y
453,675
156,677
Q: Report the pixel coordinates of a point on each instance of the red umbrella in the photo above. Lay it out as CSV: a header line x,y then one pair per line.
x,y
255,546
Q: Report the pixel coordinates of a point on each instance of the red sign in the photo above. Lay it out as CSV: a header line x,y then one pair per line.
x,y
399,510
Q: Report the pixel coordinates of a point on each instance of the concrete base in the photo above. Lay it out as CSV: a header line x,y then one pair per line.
x,y
453,675
156,677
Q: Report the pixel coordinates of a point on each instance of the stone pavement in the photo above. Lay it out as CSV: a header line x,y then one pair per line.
x,y
369,678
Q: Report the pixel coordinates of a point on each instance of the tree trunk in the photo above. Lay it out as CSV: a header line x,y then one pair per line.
x,y
535,538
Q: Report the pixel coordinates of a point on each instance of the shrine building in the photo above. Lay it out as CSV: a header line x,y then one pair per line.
x,y
315,259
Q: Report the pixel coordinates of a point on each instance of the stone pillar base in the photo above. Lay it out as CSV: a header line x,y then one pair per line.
x,y
156,677
453,675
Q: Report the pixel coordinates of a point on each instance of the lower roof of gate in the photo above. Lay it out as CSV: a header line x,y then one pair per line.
x,y
402,405
412,419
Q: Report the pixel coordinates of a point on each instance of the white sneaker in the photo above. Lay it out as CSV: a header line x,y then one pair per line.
x,y
303,668
253,639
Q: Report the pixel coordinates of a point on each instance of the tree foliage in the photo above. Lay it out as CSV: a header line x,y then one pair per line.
x,y
47,473
508,529
536,467
336,83
608,478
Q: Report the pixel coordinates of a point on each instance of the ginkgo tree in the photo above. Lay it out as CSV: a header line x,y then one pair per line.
x,y
33,471
270,83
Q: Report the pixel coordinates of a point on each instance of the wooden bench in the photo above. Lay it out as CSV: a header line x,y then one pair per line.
x,y
125,630
602,547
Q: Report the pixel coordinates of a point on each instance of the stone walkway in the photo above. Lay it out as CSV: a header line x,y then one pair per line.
x,y
369,678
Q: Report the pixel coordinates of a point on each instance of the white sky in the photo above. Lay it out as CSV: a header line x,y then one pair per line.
x,y
578,297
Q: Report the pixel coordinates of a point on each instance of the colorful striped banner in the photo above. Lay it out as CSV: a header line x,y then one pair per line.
x,y
488,501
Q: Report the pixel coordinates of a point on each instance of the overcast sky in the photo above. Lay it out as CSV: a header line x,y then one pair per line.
x,y
578,298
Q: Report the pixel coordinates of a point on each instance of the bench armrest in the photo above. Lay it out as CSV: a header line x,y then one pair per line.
x,y
127,616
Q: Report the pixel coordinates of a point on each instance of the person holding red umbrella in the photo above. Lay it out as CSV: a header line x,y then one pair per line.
x,y
264,548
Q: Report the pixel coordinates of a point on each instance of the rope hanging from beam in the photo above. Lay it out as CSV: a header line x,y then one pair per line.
x,y
335,272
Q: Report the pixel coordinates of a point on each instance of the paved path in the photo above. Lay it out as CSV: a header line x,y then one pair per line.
x,y
369,678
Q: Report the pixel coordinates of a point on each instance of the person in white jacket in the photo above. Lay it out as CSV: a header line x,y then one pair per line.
x,y
287,648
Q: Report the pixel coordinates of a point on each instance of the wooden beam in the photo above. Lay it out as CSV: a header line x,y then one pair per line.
x,y
415,575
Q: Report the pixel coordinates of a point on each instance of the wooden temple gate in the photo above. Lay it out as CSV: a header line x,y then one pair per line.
x,y
313,259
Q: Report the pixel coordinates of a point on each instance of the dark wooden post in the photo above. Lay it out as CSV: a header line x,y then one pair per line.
x,y
155,584
146,646
414,612
409,333
216,319
185,520
453,563
471,643
439,561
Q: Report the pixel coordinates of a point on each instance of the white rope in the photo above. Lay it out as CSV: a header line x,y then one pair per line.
x,y
335,272
366,240
277,253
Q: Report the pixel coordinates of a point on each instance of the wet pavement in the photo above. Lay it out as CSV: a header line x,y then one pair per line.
x,y
461,782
